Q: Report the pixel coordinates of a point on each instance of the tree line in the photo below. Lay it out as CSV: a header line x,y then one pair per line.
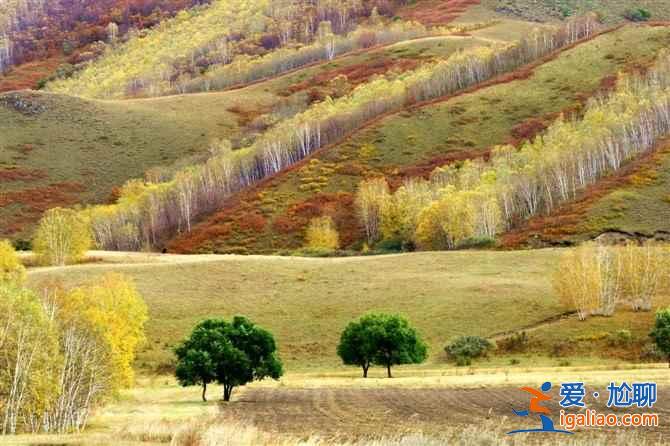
x,y
479,199
327,45
148,213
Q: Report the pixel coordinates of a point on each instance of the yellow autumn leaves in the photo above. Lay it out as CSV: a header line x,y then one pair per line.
x,y
597,279
64,352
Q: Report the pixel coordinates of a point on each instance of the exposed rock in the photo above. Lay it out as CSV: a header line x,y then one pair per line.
x,y
622,237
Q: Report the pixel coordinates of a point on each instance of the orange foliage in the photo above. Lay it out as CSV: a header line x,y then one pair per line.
x,y
436,12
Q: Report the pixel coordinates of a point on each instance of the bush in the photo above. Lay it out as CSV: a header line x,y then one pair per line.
x,y
390,245
661,332
477,243
312,252
466,348
22,245
11,268
516,342
560,348
620,338
637,15
651,353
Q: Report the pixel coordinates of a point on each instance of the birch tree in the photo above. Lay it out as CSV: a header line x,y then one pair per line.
x,y
371,199
63,236
29,360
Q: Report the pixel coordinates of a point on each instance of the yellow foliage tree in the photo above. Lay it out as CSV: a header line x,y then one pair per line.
x,y
322,234
447,221
645,269
29,361
63,236
116,312
590,279
371,199
11,268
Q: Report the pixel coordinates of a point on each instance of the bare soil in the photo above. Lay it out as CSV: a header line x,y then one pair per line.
x,y
328,412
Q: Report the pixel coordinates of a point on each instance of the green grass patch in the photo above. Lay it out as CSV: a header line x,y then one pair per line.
x,y
306,303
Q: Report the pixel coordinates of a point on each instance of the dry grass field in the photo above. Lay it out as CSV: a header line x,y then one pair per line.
x,y
436,407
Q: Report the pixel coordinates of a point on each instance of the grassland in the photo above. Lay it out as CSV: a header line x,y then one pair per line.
x,y
307,302
273,216
611,11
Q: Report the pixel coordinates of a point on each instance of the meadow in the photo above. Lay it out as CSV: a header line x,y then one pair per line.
x,y
306,302
611,11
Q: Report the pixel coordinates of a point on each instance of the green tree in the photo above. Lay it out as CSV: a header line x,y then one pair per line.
x,y
195,364
465,348
661,332
398,343
230,353
381,339
63,236
357,343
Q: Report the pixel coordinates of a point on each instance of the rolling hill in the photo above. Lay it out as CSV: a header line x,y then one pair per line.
x,y
101,144
414,142
307,302
114,141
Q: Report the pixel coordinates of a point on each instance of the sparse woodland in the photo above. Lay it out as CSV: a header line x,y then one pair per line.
x,y
230,42
64,352
595,280
147,213
481,199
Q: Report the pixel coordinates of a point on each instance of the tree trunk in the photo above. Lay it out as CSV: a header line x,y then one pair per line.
x,y
388,370
365,370
227,392
204,392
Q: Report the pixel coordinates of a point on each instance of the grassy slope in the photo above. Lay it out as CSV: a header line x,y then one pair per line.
x,y
642,206
612,11
429,136
97,145
636,201
93,146
307,302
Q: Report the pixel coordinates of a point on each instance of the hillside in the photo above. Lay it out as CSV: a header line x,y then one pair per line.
x,y
269,89
307,302
274,215
157,133
39,35
611,11
47,39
